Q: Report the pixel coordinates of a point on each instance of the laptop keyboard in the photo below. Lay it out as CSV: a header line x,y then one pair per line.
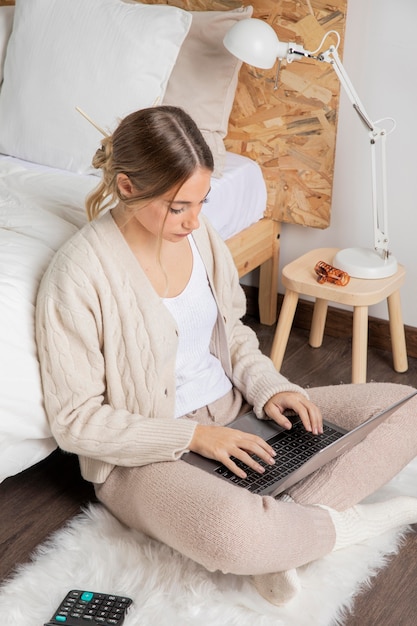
x,y
293,447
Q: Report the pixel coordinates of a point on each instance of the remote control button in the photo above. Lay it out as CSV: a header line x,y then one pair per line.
x,y
87,596
60,618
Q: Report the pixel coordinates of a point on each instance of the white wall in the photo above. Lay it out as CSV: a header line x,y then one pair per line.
x,y
380,56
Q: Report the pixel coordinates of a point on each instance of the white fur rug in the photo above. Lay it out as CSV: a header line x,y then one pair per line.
x,y
95,552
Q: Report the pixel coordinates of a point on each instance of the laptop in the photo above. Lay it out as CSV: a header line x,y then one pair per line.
x,y
299,453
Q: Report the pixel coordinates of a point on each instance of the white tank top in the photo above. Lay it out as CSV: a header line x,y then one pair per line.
x,y
200,377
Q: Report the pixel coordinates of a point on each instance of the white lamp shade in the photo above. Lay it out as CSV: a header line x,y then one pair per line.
x,y
255,42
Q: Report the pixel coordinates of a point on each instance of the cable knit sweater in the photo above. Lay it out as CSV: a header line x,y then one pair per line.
x,y
107,348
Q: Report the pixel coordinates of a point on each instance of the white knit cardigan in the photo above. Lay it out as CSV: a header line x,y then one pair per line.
x,y
107,348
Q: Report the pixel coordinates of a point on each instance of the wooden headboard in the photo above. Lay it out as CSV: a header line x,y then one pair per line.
x,y
291,131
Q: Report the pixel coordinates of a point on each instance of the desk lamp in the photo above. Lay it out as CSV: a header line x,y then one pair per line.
x,y
256,43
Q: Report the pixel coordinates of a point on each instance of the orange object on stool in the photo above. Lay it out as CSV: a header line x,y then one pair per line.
x,y
326,272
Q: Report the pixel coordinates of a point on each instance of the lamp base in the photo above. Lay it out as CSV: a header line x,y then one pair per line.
x,y
365,263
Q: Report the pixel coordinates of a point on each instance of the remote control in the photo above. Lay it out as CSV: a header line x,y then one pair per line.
x,y
81,608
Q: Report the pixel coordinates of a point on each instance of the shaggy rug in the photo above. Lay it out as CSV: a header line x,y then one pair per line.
x,y
95,552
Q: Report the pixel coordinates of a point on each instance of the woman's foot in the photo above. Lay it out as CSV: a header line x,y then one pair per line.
x,y
352,526
278,588
363,521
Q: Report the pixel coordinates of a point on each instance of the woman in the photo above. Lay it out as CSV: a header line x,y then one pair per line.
x,y
144,357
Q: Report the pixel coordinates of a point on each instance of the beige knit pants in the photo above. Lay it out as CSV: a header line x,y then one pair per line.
x,y
226,528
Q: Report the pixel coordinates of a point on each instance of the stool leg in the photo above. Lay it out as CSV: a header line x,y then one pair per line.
x,y
282,331
318,323
359,344
399,348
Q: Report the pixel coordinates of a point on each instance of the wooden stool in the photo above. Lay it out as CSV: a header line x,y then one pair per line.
x,y
299,278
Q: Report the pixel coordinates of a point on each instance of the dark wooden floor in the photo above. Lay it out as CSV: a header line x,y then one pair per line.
x,y
40,500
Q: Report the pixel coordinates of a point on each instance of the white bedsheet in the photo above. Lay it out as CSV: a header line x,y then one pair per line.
x,y
236,200
39,209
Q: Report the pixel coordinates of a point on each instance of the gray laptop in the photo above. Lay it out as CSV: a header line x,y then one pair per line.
x,y
299,453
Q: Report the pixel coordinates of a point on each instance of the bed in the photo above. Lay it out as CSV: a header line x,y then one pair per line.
x,y
144,54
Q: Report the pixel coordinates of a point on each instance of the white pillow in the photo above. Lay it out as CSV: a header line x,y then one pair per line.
x,y
6,23
105,56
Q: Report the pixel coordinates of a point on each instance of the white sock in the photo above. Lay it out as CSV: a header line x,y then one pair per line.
x,y
278,588
363,521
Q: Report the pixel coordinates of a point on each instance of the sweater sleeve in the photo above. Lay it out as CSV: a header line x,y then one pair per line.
x,y
254,373
73,372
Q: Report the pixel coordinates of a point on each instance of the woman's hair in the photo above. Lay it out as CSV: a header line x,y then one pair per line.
x,y
157,148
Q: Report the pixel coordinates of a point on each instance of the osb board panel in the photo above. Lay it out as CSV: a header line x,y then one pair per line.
x,y
290,131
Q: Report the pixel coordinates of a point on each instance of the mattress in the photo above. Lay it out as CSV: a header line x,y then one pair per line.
x,y
40,208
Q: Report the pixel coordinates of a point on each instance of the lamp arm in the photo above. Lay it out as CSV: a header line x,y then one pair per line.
x,y
378,162
331,56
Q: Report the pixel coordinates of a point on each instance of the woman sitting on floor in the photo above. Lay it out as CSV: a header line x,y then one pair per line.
x,y
144,356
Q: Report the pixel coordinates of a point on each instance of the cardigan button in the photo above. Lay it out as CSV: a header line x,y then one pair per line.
x,y
166,393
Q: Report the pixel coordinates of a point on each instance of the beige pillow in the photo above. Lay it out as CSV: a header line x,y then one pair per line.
x,y
204,79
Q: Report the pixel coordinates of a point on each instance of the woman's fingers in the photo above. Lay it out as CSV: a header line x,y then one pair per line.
x,y
224,444
311,417
309,413
250,452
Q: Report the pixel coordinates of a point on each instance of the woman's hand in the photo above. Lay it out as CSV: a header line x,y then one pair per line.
x,y
309,413
221,443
